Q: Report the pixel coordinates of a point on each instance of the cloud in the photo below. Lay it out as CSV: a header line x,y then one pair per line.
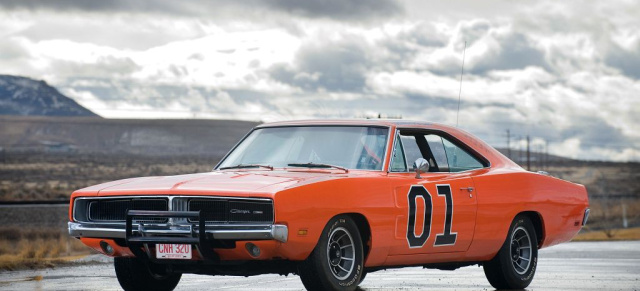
x,y
564,72
328,66
339,9
509,52
627,61
344,10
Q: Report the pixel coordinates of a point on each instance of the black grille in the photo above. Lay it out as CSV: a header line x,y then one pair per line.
x,y
214,210
116,209
210,210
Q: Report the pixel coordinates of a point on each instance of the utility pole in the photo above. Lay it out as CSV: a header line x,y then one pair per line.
x,y
528,154
508,144
520,151
546,155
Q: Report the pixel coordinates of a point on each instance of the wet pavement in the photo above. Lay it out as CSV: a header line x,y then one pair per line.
x,y
571,266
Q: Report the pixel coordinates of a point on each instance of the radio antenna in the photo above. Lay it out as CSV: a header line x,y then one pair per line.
x,y
464,52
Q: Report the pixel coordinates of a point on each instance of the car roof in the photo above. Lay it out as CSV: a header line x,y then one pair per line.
x,y
366,122
494,157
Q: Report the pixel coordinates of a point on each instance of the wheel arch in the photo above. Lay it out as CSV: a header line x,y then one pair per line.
x,y
364,228
538,224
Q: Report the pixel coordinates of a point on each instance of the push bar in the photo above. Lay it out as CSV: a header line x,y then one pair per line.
x,y
199,239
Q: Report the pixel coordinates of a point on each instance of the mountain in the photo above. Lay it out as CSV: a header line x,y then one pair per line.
x,y
24,96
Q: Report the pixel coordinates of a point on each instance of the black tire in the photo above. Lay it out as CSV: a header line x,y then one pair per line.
x,y
133,274
325,267
509,269
364,275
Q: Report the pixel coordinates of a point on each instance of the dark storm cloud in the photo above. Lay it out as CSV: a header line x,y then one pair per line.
x,y
473,32
347,10
338,9
337,66
516,52
92,6
626,61
427,101
595,131
399,50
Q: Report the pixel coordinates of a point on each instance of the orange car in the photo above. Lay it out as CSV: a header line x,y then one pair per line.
x,y
332,200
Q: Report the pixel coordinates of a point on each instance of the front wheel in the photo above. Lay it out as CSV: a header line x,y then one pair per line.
x,y
337,261
515,264
133,274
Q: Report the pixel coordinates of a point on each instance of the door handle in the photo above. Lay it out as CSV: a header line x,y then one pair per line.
x,y
468,189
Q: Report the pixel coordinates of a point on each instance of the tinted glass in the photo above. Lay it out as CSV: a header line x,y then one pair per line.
x,y
437,149
459,160
345,146
411,150
398,162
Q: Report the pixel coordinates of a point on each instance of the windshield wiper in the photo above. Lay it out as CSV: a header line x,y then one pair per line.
x,y
317,165
246,166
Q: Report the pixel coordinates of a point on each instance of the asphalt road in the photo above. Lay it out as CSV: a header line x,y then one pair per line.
x,y
571,266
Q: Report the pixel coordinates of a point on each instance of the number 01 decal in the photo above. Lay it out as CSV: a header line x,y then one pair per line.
x,y
443,239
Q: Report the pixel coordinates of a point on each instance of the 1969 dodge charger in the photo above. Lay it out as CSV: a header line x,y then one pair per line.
x,y
331,200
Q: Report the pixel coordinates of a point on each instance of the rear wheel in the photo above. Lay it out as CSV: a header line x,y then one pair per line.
x,y
516,262
336,263
134,274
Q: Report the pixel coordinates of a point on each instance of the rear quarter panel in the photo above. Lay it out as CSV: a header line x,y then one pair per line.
x,y
504,193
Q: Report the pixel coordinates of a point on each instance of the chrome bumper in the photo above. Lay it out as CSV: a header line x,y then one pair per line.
x,y
227,231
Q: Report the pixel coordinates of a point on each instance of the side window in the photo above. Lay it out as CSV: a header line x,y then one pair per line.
x,y
398,164
412,151
437,149
458,159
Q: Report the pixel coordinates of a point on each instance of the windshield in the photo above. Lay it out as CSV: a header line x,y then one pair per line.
x,y
351,147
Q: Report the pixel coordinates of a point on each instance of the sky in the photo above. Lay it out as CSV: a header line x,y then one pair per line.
x,y
566,73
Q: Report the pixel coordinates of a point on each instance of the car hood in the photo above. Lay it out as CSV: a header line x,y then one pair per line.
x,y
235,183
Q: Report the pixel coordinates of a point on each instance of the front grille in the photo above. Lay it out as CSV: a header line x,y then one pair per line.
x,y
115,210
233,211
214,210
211,210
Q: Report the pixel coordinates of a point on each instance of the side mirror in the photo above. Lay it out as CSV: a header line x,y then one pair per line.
x,y
420,166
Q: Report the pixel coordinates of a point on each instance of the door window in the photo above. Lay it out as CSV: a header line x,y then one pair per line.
x,y
442,154
411,150
398,163
437,149
458,159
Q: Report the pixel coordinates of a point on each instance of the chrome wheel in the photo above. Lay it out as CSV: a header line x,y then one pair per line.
x,y
520,250
341,253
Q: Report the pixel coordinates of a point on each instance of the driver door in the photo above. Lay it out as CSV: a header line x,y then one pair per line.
x,y
437,212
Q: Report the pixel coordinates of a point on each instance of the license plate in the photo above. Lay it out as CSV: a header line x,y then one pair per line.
x,y
173,251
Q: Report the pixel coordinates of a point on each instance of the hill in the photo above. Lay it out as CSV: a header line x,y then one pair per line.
x,y
120,136
24,96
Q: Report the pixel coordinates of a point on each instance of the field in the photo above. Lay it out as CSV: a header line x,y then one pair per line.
x,y
37,247
33,176
34,236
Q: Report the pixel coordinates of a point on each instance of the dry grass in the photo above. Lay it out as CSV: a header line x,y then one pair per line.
x,y
55,177
37,248
612,234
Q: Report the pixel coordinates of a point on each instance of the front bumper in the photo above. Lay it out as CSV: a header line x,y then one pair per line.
x,y
230,232
277,232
